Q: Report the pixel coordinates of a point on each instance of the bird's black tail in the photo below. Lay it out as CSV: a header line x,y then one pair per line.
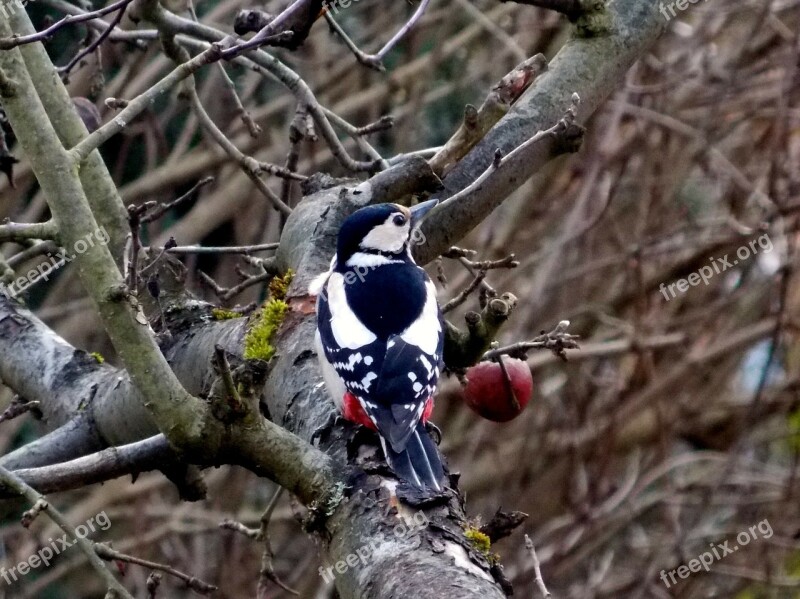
x,y
419,464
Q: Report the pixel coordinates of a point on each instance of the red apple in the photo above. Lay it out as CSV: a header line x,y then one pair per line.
x,y
492,396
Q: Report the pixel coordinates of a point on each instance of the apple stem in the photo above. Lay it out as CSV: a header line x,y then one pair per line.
x,y
509,386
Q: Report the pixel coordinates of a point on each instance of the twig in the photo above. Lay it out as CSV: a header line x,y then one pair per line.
x,y
507,383
556,341
375,61
267,572
232,400
161,209
462,297
252,127
240,249
250,533
283,172
564,125
281,24
136,106
133,246
509,261
297,133
137,38
361,57
96,43
357,134
267,515
153,582
17,407
270,270
19,40
11,480
263,62
171,243
37,248
482,268
249,165
536,567
107,553
478,121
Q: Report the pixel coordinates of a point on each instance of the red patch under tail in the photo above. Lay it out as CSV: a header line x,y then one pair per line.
x,y
352,411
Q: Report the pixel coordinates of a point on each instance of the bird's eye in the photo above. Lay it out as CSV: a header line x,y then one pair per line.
x,y
399,220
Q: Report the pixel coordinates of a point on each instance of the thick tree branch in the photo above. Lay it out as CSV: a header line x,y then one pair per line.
x,y
142,456
95,178
185,419
24,231
592,68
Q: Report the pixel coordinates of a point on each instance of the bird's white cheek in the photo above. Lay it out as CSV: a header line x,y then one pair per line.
x,y
387,237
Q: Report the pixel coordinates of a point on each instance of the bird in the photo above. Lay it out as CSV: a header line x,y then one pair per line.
x,y
380,338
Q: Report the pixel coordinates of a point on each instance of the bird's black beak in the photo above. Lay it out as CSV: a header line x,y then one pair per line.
x,y
419,211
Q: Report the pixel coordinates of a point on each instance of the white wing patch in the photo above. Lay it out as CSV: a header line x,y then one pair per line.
x,y
428,366
367,380
348,331
424,331
350,365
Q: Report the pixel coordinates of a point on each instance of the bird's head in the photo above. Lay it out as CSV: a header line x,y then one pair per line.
x,y
382,230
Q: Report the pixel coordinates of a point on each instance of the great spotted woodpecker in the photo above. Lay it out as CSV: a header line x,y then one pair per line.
x,y
379,337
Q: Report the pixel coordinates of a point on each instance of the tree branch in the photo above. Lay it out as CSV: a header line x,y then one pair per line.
x,y
592,68
152,453
40,504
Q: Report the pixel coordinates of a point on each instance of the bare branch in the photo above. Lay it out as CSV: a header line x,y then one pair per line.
x,y
536,567
12,481
107,553
19,40
249,165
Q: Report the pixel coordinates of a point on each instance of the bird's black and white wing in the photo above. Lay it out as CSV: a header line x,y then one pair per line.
x,y
353,354
408,376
